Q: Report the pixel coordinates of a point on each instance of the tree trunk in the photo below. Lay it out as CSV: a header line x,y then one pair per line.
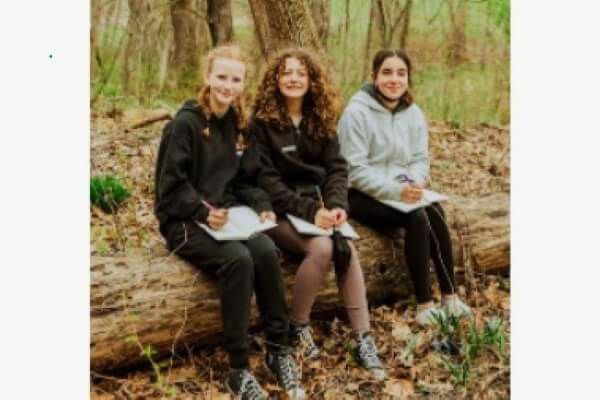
x,y
321,11
261,25
220,21
164,302
457,51
375,34
290,24
138,10
184,19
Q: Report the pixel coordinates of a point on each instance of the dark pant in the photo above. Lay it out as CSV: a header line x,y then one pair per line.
x,y
241,268
420,242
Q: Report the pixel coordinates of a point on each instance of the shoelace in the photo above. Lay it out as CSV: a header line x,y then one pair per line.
x,y
289,374
307,339
368,352
250,386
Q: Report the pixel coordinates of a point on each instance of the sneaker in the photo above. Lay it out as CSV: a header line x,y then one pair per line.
x,y
243,386
427,316
300,336
367,356
455,306
282,365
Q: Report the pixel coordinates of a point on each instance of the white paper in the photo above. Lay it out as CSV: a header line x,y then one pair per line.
x,y
429,197
306,228
242,224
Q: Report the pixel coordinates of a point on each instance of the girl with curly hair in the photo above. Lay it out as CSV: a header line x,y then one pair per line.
x,y
294,121
383,135
205,165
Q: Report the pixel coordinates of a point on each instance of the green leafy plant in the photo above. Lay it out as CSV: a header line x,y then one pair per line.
x,y
107,192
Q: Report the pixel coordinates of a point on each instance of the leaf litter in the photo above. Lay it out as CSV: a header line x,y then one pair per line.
x,y
466,162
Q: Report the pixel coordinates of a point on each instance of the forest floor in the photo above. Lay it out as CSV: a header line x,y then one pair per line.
x,y
470,162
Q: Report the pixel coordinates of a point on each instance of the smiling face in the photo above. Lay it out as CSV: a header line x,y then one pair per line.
x,y
293,80
392,78
226,81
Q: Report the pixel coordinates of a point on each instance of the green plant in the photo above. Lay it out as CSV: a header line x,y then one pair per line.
x,y
460,371
148,352
448,325
107,192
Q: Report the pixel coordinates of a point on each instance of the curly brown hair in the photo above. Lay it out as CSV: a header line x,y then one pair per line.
x,y
322,102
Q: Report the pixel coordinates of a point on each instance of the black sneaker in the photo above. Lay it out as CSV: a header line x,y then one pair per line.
x,y
301,337
243,386
282,365
367,356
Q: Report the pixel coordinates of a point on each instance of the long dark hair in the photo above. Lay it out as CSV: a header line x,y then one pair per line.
x,y
384,54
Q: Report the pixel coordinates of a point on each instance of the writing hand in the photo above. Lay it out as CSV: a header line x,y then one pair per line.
x,y
217,218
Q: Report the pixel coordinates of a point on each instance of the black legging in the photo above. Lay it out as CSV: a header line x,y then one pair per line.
x,y
419,243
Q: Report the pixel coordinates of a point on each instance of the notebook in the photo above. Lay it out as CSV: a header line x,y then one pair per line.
x,y
243,224
306,228
429,197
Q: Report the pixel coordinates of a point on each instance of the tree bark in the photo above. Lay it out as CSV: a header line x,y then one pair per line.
x,y
220,21
261,25
183,17
290,24
165,302
321,12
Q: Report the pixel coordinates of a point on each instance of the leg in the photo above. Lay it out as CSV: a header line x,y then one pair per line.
x,y
352,288
312,270
373,213
232,264
270,292
441,248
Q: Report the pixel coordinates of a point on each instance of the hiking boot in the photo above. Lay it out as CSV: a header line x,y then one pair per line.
x,y
243,386
367,356
427,316
455,306
282,365
301,337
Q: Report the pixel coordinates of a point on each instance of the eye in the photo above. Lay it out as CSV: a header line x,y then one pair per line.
x,y
386,71
221,76
237,79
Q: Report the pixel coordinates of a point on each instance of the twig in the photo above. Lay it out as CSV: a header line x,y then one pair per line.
x,y
151,120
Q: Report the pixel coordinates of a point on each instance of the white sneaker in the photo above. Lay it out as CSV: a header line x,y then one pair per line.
x,y
456,307
427,316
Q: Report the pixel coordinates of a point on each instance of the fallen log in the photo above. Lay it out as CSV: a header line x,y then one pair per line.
x,y
164,302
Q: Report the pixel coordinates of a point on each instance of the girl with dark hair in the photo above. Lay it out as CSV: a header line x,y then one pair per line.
x,y
206,165
383,136
295,115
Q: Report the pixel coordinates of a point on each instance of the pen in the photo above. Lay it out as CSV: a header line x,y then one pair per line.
x,y
318,190
405,178
209,206
212,208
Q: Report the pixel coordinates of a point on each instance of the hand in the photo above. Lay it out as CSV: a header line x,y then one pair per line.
x,y
267,216
217,218
340,216
411,193
324,218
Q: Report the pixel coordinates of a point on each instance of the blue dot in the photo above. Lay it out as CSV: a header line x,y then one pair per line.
x,y
50,55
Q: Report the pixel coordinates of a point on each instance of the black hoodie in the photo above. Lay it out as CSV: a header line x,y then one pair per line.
x,y
292,163
191,168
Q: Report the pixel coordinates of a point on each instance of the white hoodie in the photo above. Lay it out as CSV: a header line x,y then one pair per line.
x,y
380,146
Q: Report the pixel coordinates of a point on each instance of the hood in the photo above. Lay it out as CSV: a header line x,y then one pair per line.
x,y
190,105
367,96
